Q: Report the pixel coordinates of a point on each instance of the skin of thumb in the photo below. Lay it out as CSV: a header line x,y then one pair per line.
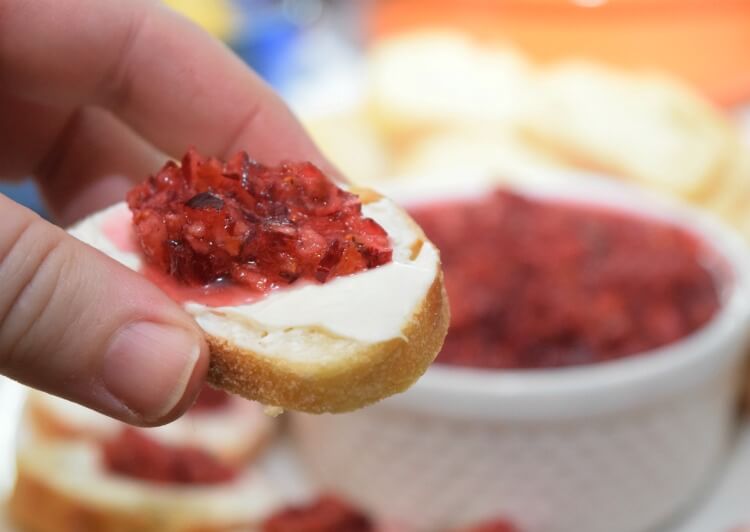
x,y
76,324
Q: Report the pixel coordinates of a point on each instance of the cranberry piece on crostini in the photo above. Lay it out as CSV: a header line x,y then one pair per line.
x,y
207,221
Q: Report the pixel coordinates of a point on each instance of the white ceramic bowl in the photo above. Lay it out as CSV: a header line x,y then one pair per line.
x,y
617,447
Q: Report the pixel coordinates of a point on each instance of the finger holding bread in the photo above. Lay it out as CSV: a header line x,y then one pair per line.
x,y
100,336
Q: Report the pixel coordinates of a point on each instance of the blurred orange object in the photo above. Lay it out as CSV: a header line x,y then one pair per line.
x,y
706,42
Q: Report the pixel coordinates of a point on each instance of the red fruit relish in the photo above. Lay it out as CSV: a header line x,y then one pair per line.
x,y
495,525
245,224
327,514
538,284
134,454
330,513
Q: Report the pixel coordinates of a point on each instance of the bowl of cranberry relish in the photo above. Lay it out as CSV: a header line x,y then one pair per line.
x,y
589,378
547,284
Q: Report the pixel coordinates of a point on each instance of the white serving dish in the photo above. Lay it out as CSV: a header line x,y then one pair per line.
x,y
621,446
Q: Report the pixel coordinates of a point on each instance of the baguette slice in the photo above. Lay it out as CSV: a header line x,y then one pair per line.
x,y
647,128
433,79
730,199
62,487
233,433
317,348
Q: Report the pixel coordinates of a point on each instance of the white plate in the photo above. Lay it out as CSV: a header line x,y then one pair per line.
x,y
724,507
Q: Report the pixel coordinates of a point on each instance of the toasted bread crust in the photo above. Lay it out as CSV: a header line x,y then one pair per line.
x,y
36,506
371,373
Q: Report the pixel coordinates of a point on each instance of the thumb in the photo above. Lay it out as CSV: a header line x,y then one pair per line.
x,y
79,325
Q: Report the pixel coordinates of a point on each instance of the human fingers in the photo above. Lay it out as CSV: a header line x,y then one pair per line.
x,y
77,324
83,160
170,81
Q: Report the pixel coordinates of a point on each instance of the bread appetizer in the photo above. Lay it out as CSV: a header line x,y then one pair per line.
x,y
92,473
313,297
130,483
231,429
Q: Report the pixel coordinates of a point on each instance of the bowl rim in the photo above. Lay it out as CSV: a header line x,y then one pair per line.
x,y
657,374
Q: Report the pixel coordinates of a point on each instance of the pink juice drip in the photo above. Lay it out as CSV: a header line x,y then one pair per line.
x,y
118,228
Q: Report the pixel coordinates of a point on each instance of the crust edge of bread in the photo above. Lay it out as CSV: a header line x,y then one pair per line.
x,y
65,513
370,373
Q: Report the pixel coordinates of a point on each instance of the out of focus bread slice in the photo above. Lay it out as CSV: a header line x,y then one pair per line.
x,y
467,155
329,347
234,433
351,143
62,487
434,79
731,199
646,128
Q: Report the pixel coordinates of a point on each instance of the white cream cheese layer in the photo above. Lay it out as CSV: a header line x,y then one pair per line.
x,y
371,306
73,469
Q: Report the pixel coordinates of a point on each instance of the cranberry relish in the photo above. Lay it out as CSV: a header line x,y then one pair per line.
x,y
259,227
540,284
327,514
134,454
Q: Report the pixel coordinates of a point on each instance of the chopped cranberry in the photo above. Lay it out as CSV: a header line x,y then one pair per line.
x,y
210,399
206,221
496,525
327,514
133,454
535,284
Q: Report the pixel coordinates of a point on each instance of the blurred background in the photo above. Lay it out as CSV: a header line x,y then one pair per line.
x,y
564,95
392,88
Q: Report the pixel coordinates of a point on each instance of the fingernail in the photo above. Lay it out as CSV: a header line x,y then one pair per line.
x,y
148,367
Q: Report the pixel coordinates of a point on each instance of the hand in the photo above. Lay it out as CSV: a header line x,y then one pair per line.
x,y
93,96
